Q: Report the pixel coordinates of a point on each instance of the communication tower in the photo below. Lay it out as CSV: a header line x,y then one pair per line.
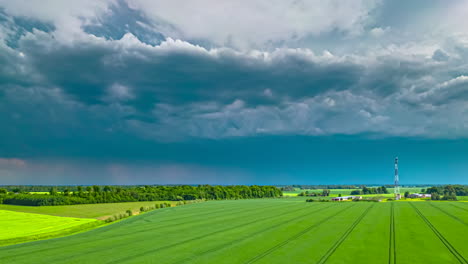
x,y
396,189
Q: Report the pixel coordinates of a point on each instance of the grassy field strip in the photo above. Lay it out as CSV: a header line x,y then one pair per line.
x,y
235,237
441,237
453,230
16,227
146,228
344,236
445,211
295,236
202,236
15,224
392,241
52,234
81,210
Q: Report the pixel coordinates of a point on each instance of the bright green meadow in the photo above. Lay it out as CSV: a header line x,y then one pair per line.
x,y
18,227
286,230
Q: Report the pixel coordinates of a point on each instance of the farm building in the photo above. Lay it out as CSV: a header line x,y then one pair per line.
x,y
419,195
344,198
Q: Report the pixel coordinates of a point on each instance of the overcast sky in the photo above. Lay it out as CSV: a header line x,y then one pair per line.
x,y
233,92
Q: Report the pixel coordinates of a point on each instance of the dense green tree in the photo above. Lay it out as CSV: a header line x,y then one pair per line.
x,y
53,191
147,193
326,192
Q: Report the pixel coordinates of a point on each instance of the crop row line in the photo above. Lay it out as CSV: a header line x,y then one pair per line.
x,y
447,244
297,235
344,236
459,207
252,235
449,214
392,241
195,238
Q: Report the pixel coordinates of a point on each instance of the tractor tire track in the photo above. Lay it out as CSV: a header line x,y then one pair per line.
x,y
230,243
447,244
297,235
133,257
391,242
344,236
449,214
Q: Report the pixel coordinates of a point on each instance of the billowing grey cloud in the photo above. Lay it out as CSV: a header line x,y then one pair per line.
x,y
98,76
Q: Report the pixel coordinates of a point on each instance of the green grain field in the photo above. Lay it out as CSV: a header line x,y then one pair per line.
x,y
268,231
99,211
18,227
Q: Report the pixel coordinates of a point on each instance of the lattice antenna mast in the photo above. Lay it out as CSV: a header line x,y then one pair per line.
x,y
396,189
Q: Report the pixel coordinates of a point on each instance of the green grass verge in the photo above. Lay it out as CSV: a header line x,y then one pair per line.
x,y
99,211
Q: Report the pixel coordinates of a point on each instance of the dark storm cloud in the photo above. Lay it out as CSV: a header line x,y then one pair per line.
x,y
181,73
118,88
176,90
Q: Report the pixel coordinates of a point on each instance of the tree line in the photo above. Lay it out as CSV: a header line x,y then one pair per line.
x,y
114,194
447,192
370,190
325,192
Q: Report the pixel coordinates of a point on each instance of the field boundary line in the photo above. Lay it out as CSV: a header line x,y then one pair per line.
x,y
392,240
297,235
449,214
192,239
447,244
335,246
252,234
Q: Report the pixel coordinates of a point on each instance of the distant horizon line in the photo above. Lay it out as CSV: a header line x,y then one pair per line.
x,y
278,185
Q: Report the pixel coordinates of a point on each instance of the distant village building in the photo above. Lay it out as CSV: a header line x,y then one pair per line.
x,y
344,198
419,195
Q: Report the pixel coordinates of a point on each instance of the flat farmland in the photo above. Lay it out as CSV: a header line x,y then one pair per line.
x,y
18,227
268,231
